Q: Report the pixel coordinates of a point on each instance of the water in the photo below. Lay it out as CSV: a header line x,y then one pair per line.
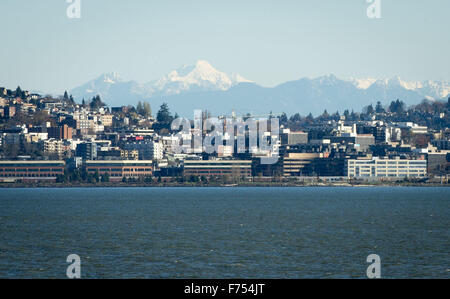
x,y
225,232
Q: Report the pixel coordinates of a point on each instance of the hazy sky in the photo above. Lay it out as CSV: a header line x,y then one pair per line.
x,y
266,41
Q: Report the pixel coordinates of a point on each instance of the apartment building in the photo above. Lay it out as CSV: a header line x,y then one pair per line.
x,y
147,149
56,147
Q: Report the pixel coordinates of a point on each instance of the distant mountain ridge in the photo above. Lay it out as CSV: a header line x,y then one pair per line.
x,y
201,86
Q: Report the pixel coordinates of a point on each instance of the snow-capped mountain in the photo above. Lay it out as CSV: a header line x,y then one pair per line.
x,y
200,77
201,86
431,90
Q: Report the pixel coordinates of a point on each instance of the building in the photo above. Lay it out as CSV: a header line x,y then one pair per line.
x,y
11,171
86,150
9,112
63,132
441,144
385,168
294,164
148,150
293,138
119,169
60,148
361,142
218,168
106,120
439,163
129,155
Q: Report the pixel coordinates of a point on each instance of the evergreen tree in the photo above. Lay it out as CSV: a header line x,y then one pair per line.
x,y
283,118
96,102
347,114
370,110
379,108
18,92
296,118
397,107
164,116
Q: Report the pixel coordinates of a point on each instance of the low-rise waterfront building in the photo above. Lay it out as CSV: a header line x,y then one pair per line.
x,y
119,169
218,168
31,170
385,168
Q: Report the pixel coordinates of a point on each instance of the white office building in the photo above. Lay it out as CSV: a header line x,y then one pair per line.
x,y
384,168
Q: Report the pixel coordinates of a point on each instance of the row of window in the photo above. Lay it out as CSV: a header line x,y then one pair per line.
x,y
29,165
32,170
119,170
215,172
122,165
390,175
421,162
32,175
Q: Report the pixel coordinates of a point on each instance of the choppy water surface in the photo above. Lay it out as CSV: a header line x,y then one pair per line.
x,y
225,232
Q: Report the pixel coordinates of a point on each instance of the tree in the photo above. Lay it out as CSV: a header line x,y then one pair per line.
x,y
40,118
140,108
19,93
144,109
66,96
397,107
147,110
296,118
96,103
96,176
336,116
164,116
379,108
105,178
369,110
347,114
283,118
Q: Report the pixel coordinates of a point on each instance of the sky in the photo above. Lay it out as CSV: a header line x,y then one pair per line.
x,y
269,42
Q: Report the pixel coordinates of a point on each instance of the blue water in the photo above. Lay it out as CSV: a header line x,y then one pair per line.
x,y
225,232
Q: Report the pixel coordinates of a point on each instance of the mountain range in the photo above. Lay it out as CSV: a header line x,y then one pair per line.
x,y
201,86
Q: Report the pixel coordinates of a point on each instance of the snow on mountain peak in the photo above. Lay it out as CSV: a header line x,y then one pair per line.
x,y
429,89
363,83
201,76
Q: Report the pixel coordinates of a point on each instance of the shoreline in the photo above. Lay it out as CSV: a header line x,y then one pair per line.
x,y
194,185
